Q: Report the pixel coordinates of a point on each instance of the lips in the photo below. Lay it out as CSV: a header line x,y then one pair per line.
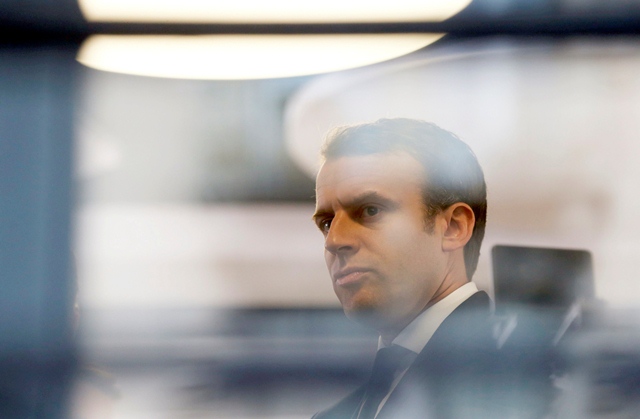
x,y
349,276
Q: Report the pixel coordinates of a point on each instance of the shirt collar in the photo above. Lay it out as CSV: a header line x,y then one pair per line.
x,y
416,335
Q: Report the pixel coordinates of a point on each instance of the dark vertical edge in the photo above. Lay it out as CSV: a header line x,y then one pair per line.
x,y
37,350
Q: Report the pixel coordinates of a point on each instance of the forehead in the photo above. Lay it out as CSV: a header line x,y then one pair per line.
x,y
391,173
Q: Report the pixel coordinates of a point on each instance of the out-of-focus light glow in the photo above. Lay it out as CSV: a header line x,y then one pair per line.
x,y
274,11
235,57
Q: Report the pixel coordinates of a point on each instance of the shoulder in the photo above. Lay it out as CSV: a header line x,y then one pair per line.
x,y
463,349
467,371
469,326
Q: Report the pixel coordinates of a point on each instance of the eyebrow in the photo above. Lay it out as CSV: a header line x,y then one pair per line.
x,y
320,214
356,201
367,197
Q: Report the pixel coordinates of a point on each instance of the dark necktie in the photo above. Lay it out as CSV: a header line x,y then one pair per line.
x,y
388,362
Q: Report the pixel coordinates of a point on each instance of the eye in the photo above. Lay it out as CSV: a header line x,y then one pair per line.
x,y
324,225
370,211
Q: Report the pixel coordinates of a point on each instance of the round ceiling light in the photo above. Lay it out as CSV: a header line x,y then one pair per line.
x,y
237,57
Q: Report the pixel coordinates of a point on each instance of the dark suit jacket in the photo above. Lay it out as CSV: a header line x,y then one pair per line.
x,y
458,374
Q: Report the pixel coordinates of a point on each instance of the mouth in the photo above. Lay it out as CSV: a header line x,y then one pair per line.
x,y
351,276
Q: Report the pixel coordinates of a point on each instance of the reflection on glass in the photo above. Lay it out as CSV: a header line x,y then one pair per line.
x,y
202,283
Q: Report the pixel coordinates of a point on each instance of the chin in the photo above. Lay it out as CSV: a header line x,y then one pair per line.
x,y
375,314
366,305
367,318
366,313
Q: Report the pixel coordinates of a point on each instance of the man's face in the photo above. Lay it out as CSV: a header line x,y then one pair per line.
x,y
384,264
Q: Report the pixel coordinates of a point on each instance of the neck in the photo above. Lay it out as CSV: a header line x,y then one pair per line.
x,y
446,289
455,277
390,332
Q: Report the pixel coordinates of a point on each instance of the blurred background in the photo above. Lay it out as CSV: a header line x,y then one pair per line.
x,y
158,255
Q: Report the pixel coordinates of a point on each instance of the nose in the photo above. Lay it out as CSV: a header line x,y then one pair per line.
x,y
341,238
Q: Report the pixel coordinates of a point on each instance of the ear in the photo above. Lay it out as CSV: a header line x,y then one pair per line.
x,y
459,226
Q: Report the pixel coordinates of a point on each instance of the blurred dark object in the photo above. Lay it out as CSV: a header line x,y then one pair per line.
x,y
539,295
539,291
541,277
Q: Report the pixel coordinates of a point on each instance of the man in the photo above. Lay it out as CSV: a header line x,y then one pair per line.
x,y
402,206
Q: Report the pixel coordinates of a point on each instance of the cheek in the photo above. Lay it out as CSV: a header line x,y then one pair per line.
x,y
404,239
412,258
328,259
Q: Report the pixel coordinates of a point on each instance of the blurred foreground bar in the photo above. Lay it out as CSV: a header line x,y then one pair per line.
x,y
253,362
36,133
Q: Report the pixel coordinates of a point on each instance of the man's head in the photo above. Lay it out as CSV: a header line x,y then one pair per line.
x,y
410,199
